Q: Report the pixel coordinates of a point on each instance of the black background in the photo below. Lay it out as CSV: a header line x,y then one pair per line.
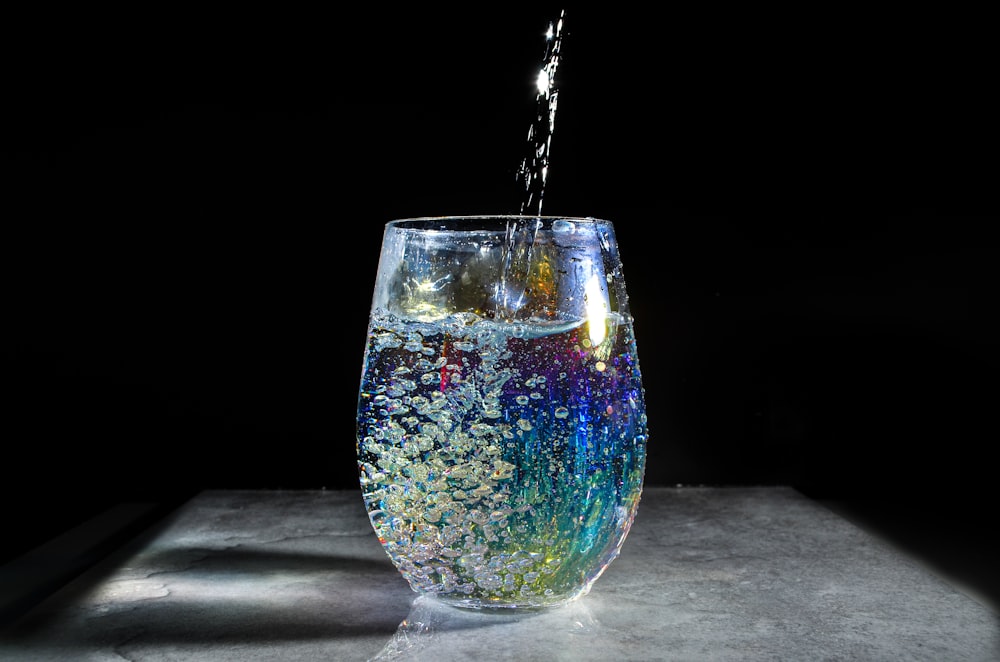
x,y
193,206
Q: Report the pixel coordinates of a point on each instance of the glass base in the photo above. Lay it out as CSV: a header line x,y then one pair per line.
x,y
528,603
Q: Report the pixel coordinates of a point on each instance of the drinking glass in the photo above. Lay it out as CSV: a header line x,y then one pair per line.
x,y
501,429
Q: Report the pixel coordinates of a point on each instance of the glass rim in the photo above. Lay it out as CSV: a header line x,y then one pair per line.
x,y
426,222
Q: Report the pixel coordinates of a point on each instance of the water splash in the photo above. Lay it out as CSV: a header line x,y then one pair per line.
x,y
534,169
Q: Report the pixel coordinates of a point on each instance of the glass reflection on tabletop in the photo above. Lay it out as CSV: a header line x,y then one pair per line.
x,y
439,632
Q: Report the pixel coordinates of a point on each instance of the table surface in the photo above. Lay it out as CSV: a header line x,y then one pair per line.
x,y
732,573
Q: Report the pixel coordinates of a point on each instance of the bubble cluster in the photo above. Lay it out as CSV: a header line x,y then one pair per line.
x,y
499,466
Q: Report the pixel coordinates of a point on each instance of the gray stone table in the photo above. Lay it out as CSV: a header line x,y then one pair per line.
x,y
706,574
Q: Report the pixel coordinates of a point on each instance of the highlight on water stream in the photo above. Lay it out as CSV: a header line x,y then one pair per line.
x,y
534,169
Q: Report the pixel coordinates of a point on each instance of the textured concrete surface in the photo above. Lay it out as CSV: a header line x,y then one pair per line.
x,y
706,574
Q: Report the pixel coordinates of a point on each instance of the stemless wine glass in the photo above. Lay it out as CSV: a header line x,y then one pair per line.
x,y
501,419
